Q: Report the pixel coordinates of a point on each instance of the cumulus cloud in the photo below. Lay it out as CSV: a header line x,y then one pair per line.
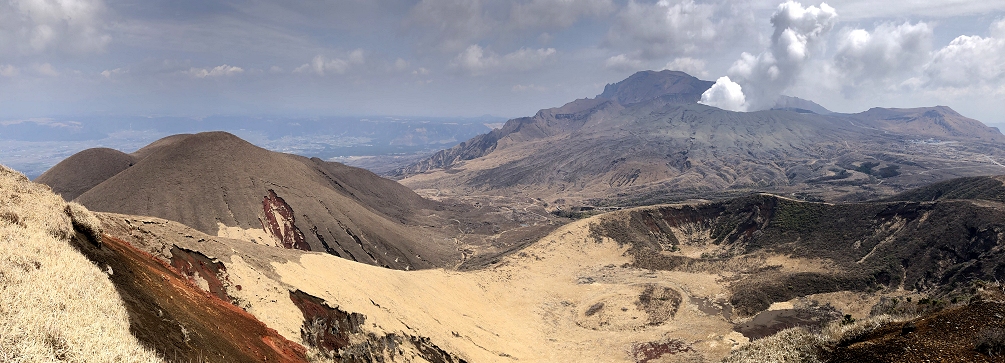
x,y
970,60
889,50
218,71
675,27
7,70
35,26
400,64
694,67
797,30
45,69
725,94
109,73
322,65
476,60
623,63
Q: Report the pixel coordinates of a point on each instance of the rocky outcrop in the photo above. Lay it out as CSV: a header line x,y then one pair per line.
x,y
279,222
338,334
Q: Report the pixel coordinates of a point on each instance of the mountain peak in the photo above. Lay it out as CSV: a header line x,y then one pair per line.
x,y
649,85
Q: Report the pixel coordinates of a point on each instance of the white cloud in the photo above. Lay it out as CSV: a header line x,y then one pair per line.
x,y
556,13
322,65
797,30
694,67
476,61
970,60
400,65
623,63
46,69
108,73
528,87
8,70
677,27
218,71
890,50
725,94
34,26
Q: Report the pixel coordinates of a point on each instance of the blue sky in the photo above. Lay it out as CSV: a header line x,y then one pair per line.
x,y
472,57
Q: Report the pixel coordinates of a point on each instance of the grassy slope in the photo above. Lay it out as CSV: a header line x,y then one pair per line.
x,y
54,303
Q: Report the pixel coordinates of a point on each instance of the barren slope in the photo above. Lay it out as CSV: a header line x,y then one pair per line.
x,y
222,185
668,283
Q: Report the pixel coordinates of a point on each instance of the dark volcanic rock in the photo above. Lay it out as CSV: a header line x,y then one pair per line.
x,y
674,86
337,334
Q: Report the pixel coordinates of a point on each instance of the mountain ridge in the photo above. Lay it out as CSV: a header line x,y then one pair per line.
x,y
731,150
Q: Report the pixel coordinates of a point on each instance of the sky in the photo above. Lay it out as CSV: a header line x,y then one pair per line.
x,y
198,58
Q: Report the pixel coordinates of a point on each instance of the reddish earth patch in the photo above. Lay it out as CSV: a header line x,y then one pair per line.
x,y
324,327
645,352
193,263
279,222
180,321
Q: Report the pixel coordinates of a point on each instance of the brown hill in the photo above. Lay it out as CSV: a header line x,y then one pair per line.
x,y
216,181
222,185
82,171
663,149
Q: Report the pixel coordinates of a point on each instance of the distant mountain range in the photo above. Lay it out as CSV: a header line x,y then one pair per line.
x,y
645,139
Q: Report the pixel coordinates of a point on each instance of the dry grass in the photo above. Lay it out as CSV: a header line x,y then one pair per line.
x,y
787,346
55,305
800,345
